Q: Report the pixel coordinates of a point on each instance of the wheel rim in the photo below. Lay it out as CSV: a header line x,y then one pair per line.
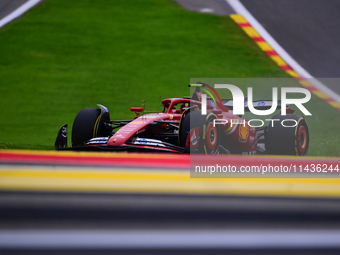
x,y
212,137
192,138
302,140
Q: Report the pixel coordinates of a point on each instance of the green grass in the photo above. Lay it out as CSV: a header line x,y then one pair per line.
x,y
63,56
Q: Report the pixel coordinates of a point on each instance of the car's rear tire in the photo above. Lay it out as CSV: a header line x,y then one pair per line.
x,y
288,139
85,125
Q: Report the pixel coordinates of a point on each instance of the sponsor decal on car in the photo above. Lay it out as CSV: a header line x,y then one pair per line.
x,y
262,103
212,104
244,133
142,141
119,135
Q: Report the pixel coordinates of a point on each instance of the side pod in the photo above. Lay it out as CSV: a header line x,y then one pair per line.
x,y
61,141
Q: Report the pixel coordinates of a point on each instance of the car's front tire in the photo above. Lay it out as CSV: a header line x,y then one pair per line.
x,y
85,125
198,134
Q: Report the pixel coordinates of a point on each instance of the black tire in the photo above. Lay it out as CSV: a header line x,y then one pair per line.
x,y
207,143
292,140
184,127
85,125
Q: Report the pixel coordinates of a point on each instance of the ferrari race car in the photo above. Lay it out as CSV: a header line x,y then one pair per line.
x,y
183,128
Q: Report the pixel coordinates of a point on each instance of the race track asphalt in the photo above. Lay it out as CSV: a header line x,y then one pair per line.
x,y
8,6
308,30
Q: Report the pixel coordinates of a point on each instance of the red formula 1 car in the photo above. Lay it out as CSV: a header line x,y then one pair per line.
x,y
181,127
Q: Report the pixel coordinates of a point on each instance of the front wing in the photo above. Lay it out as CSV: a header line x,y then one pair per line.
x,y
100,144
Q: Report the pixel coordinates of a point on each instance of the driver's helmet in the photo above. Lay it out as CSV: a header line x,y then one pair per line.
x,y
184,106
